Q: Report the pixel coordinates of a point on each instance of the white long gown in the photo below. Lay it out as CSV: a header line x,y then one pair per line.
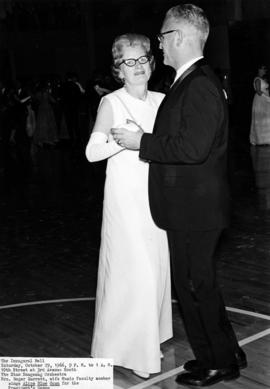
x,y
133,300
260,122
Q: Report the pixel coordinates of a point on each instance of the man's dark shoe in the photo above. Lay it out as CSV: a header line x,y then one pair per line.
x,y
240,356
208,377
192,366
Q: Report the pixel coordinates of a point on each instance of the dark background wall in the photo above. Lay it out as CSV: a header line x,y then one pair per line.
x,y
55,36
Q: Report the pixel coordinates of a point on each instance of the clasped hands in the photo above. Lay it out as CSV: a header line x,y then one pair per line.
x,y
128,139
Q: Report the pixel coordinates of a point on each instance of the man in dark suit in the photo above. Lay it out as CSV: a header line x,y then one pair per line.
x,y
188,192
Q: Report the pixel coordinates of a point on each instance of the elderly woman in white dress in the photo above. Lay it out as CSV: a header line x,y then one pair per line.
x,y
260,122
133,301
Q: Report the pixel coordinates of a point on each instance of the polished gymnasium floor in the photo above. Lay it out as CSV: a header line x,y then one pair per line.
x,y
49,251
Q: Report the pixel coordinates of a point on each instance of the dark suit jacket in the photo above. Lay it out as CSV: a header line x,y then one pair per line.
x,y
188,187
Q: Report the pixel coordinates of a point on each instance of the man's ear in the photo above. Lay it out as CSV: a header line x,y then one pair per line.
x,y
179,36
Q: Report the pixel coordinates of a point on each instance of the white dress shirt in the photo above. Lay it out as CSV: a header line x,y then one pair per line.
x,y
184,67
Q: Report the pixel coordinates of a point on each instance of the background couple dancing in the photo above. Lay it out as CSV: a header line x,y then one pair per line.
x,y
165,186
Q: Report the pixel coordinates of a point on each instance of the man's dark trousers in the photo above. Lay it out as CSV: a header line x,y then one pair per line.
x,y
194,270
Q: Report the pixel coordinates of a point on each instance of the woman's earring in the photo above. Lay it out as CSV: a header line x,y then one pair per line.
x,y
123,80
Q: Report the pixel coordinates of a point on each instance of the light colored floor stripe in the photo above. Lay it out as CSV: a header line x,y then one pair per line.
x,y
158,378
20,305
254,337
249,313
171,373
242,311
59,301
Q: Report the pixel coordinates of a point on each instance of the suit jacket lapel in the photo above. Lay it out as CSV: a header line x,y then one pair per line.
x,y
193,67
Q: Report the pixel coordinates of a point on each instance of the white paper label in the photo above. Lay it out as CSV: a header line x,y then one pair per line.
x,y
56,373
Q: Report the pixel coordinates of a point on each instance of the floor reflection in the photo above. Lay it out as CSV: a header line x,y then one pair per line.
x,y
260,156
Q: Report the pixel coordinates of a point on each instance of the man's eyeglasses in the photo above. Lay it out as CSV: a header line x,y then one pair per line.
x,y
160,36
132,61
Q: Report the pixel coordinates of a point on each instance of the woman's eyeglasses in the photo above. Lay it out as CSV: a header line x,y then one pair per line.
x,y
132,61
160,36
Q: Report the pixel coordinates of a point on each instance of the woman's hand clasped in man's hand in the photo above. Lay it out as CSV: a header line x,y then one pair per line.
x,y
128,138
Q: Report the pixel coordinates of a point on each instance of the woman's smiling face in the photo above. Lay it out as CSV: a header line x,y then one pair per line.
x,y
138,74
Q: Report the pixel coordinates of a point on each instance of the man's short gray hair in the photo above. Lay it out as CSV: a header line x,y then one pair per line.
x,y
192,15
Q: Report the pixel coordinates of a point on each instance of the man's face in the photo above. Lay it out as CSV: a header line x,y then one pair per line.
x,y
167,42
